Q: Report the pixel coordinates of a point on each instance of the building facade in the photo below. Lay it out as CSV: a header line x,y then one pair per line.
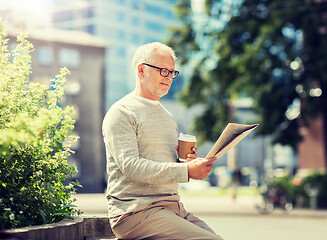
x,y
312,149
125,24
84,56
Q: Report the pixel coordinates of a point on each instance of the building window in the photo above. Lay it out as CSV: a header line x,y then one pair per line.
x,y
121,2
121,17
136,4
135,21
121,35
45,55
159,11
122,52
89,12
154,26
151,9
135,38
89,28
62,16
69,58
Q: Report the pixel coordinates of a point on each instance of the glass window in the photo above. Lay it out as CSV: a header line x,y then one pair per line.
x,y
121,2
69,58
117,52
168,13
151,8
121,52
136,4
121,17
45,55
89,28
62,16
154,26
89,12
135,21
121,35
135,38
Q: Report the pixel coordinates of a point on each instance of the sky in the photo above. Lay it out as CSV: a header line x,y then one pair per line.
x,y
40,7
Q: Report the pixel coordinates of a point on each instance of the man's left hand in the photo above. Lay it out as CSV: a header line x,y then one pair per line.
x,y
190,156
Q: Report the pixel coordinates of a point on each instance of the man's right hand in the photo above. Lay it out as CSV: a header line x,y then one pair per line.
x,y
200,168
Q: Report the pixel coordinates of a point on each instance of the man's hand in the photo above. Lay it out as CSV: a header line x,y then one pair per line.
x,y
200,168
190,156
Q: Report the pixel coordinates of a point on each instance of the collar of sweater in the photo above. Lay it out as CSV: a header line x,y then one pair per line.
x,y
147,100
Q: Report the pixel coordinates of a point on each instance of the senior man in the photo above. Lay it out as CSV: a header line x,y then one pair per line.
x,y
140,136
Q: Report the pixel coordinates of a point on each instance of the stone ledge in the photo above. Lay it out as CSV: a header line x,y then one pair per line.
x,y
94,228
65,229
101,238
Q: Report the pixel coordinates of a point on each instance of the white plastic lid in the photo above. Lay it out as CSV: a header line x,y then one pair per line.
x,y
186,137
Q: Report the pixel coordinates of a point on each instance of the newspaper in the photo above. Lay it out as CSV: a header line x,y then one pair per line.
x,y
232,135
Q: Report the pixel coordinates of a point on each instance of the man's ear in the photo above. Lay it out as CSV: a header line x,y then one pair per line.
x,y
140,69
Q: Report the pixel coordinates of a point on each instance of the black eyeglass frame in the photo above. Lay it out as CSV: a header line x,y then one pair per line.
x,y
174,73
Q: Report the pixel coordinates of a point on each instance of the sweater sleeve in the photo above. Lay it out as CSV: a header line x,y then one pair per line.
x,y
120,137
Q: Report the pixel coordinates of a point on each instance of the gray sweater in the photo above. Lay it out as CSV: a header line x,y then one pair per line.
x,y
140,139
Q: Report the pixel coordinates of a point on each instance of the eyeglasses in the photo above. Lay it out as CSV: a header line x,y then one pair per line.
x,y
164,71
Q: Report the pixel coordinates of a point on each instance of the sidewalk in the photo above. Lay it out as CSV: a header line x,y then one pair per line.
x,y
242,206
95,205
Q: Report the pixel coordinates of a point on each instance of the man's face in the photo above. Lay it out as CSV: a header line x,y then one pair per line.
x,y
153,85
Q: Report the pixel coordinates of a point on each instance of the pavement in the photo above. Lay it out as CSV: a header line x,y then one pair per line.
x,y
96,205
241,206
234,219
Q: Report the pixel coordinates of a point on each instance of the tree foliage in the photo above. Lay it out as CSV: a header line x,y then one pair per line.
x,y
35,142
273,51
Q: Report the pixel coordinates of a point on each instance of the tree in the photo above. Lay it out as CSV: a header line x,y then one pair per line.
x,y
273,51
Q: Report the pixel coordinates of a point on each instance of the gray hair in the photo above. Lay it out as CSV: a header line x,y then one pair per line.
x,y
144,53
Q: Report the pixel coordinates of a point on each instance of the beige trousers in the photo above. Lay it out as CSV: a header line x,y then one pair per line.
x,y
162,220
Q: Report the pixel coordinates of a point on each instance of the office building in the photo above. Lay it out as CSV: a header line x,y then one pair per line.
x,y
125,24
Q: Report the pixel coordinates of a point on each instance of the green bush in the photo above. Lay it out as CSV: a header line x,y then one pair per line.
x,y
286,186
317,181
35,142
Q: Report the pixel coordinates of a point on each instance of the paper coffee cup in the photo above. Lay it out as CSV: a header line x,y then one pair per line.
x,y
185,144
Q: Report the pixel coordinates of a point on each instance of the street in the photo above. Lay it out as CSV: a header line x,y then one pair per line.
x,y
236,220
